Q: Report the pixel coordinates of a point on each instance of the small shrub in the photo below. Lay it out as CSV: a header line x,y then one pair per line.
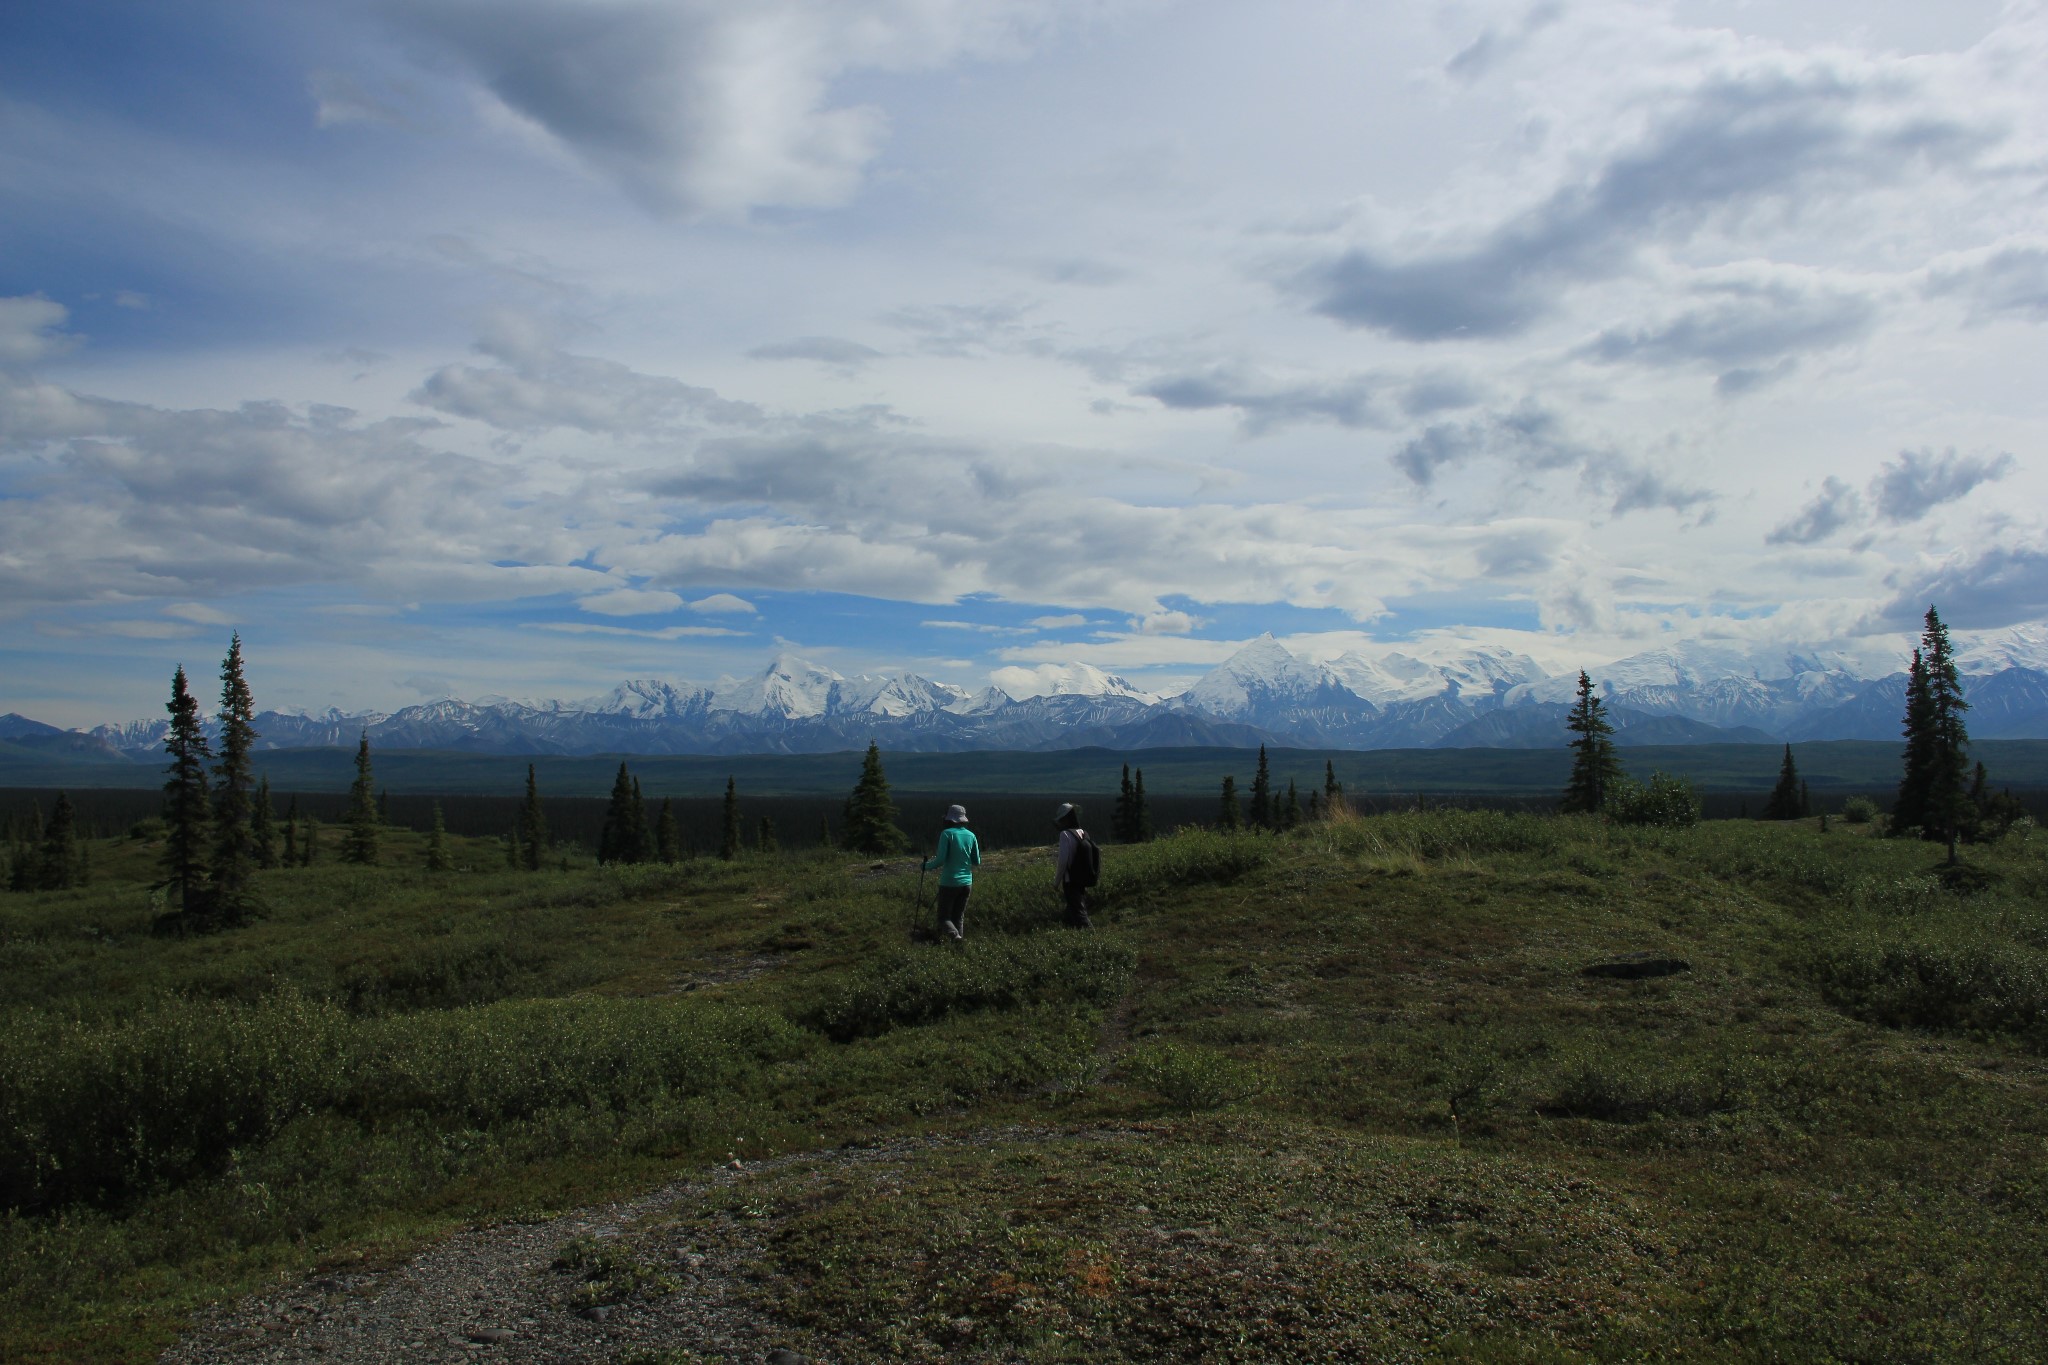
x,y
1859,810
1666,801
920,986
1192,1079
1992,988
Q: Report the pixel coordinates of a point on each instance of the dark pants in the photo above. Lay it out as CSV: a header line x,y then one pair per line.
x,y
1077,908
953,909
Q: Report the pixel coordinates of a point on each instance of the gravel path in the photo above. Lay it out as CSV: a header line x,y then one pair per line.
x,y
495,1294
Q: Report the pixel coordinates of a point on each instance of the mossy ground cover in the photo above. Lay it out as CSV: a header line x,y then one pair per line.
x,y
1347,1093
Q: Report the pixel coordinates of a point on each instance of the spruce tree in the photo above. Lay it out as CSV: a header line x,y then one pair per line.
x,y
1948,802
614,839
234,843
309,845
263,827
1262,795
668,836
870,815
1333,790
1315,806
764,836
58,863
1121,825
637,846
533,825
1290,813
1785,803
1228,816
1141,810
1595,769
729,822
359,844
188,808
437,843
1909,807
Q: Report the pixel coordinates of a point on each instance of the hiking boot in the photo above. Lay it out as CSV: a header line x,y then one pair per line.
x,y
954,930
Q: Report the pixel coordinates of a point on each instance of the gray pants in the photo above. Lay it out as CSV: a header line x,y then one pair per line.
x,y
953,911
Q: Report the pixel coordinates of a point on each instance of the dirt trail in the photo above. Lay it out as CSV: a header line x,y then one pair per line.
x,y
493,1293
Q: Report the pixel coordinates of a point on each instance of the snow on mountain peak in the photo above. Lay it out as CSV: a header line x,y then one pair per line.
x,y
1064,680
1262,670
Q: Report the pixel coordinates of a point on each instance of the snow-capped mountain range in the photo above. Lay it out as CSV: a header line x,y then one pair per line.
x,y
1264,693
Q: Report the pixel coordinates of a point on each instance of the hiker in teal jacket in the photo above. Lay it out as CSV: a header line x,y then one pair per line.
x,y
959,854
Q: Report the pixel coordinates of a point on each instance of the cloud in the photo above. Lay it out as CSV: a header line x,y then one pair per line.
x,y
1908,488
536,387
28,330
1533,439
1166,623
657,633
431,685
978,627
630,602
338,99
1834,507
1069,620
127,501
1750,331
2001,586
1265,405
723,603
1496,46
834,351
199,614
698,107
1738,142
2009,281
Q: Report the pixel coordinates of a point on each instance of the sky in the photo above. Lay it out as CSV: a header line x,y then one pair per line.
x,y
520,347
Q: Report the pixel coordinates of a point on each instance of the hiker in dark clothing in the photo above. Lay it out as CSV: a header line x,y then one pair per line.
x,y
959,854
1073,850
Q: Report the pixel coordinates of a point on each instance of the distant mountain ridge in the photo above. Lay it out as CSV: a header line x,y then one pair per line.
x,y
1694,693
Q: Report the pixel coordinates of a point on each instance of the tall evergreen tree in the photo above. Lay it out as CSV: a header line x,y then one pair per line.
x,y
637,845
1948,802
1121,825
1228,816
1290,811
263,827
309,842
359,844
1141,810
764,836
234,842
729,822
1333,790
188,808
437,844
1909,807
59,863
1785,803
870,814
533,825
1595,769
668,836
615,837
1262,794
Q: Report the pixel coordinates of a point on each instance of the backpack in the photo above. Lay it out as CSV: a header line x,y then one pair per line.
x,y
1084,868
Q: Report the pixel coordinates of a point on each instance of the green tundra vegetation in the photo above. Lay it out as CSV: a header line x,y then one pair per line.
x,y
1444,1085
